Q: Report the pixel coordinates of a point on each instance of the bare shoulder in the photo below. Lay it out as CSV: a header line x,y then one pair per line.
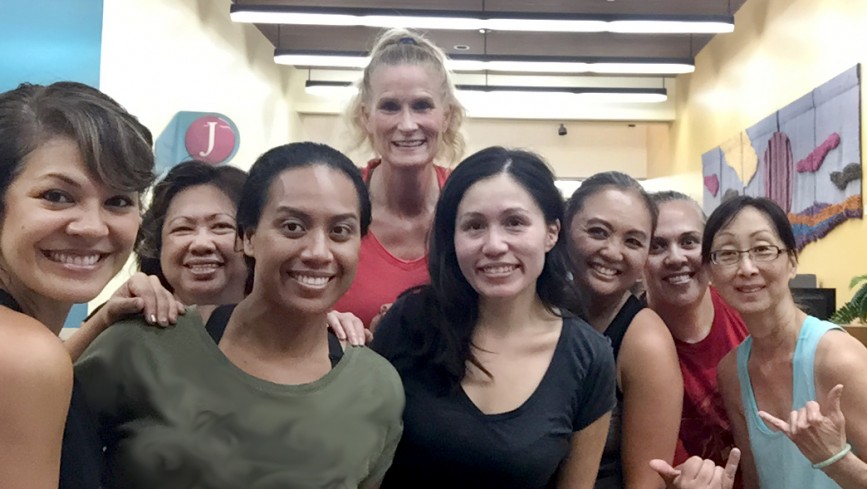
x,y
648,333
840,358
31,357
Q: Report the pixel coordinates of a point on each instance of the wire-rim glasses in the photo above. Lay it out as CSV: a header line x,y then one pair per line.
x,y
758,254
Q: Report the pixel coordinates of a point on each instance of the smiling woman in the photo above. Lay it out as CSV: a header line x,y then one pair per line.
x,y
406,110
72,166
188,235
270,398
788,375
610,221
505,387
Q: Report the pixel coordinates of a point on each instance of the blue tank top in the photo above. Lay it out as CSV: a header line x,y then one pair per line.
x,y
779,463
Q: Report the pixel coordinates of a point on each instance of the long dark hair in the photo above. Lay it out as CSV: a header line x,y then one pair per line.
x,y
440,317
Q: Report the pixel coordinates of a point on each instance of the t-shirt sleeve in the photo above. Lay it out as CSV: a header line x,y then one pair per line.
x,y
597,395
103,370
385,458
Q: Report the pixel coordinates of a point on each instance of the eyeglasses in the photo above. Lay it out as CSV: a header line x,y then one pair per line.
x,y
762,253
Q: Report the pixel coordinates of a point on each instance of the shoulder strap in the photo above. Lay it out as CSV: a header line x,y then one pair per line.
x,y
617,329
335,349
7,300
217,322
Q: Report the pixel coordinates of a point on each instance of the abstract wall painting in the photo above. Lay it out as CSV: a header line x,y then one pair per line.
x,y
806,157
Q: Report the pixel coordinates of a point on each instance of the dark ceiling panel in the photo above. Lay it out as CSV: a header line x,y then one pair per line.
x,y
472,5
602,45
659,7
511,43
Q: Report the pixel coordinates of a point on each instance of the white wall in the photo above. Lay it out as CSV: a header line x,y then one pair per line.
x,y
164,56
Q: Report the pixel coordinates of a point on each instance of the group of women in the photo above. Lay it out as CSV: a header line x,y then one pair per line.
x,y
509,350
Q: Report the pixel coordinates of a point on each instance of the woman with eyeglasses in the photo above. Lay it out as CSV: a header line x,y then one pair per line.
x,y
784,385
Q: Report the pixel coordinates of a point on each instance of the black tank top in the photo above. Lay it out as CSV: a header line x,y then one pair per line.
x,y
220,319
81,459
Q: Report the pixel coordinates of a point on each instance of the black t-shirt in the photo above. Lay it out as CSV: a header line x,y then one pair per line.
x,y
449,442
81,458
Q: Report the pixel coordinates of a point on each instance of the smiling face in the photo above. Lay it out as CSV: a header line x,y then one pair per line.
x,y
752,287
609,240
406,114
501,238
198,256
64,233
674,274
307,239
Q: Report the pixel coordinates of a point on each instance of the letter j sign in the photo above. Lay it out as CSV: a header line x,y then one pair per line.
x,y
209,137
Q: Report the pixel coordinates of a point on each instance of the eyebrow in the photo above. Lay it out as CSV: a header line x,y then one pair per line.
x,y
207,217
63,178
285,209
634,232
510,210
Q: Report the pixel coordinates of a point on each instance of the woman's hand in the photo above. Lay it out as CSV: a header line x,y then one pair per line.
x,y
347,327
379,315
698,473
141,294
818,432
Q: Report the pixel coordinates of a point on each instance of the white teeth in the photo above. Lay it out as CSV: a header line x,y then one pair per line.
x,y
498,270
75,260
312,281
678,279
409,144
203,267
750,289
605,270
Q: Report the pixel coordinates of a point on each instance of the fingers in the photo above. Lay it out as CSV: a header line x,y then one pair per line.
x,y
368,336
157,304
160,306
774,422
332,320
665,470
832,405
731,469
347,326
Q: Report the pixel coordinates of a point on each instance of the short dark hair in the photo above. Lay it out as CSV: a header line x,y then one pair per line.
x,y
728,210
227,179
115,146
289,157
450,304
602,181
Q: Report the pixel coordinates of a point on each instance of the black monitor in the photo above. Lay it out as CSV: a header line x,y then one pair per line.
x,y
815,301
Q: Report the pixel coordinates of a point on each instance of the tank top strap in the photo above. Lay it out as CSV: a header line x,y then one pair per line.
x,y
617,329
7,300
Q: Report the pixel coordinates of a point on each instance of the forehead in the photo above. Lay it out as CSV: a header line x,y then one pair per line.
x,y
615,205
748,222
195,199
58,155
495,194
405,79
316,189
679,217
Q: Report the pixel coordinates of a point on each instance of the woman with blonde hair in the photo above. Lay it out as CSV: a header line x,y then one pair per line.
x,y
407,111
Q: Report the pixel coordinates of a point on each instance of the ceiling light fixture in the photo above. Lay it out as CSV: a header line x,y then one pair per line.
x,y
525,64
602,94
469,20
